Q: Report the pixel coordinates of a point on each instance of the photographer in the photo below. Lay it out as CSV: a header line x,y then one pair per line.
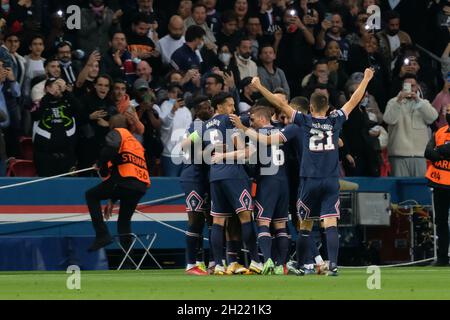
x,y
54,134
408,117
175,120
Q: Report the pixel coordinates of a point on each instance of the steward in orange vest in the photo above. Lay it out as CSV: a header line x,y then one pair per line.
x,y
438,174
122,161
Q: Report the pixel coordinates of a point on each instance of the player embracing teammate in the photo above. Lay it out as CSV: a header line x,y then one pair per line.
x,y
316,138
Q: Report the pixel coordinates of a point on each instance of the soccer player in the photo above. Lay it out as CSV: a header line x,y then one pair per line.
x,y
272,193
319,191
229,183
194,182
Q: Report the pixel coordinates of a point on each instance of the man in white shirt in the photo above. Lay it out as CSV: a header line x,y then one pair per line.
x,y
171,42
175,120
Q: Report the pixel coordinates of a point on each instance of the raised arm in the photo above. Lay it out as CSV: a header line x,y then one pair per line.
x,y
359,93
255,136
273,99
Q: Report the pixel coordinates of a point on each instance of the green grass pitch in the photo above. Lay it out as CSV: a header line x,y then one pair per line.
x,y
396,283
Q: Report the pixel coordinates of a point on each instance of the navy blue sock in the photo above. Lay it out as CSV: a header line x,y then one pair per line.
x,y
265,241
191,246
210,252
217,243
313,251
233,249
282,244
302,247
332,245
249,239
323,243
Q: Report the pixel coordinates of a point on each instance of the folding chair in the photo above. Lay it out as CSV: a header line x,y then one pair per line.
x,y
137,238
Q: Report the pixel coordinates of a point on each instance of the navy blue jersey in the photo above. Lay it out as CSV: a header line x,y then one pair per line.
x,y
320,137
293,141
277,124
220,131
194,169
271,160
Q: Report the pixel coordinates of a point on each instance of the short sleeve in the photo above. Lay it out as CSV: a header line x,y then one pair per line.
x,y
288,132
338,117
298,118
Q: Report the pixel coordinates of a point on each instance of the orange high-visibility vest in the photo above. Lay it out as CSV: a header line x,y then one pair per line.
x,y
132,162
439,171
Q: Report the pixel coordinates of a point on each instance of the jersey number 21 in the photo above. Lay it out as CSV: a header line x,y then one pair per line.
x,y
317,143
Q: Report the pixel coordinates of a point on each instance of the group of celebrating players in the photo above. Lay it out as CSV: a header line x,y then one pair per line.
x,y
223,152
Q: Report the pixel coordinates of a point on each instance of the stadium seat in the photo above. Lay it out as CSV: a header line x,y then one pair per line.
x,y
26,148
21,168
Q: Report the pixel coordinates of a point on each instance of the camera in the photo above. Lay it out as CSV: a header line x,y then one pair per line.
x,y
292,12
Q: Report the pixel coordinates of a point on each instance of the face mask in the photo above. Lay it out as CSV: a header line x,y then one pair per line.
x,y
225,58
392,32
447,117
245,56
201,45
5,7
176,37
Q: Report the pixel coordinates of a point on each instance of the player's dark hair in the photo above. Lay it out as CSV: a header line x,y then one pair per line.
x,y
319,102
194,32
263,102
300,103
263,111
280,91
220,98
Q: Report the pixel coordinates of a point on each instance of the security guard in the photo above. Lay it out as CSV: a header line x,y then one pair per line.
x,y
438,174
123,163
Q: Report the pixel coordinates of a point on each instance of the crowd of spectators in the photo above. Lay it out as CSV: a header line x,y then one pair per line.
x,y
148,59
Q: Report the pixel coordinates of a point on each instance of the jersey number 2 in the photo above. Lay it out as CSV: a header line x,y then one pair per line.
x,y
316,141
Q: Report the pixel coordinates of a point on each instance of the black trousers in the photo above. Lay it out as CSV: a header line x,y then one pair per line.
x,y
441,198
129,199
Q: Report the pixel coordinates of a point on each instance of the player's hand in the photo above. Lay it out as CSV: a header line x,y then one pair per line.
x,y
368,73
217,158
237,121
107,211
256,82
